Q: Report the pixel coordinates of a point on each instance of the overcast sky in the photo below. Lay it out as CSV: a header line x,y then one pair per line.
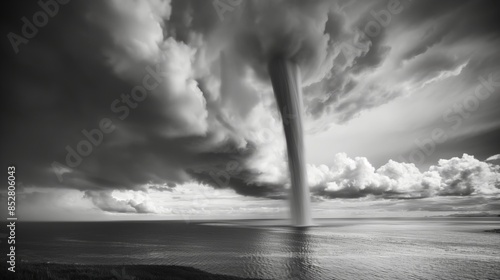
x,y
164,110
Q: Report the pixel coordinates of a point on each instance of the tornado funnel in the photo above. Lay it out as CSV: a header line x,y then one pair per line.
x,y
285,78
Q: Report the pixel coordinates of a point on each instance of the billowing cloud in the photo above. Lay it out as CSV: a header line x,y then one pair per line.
x,y
358,178
128,202
346,178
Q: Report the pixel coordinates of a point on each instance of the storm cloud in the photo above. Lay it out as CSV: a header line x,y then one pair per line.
x,y
188,97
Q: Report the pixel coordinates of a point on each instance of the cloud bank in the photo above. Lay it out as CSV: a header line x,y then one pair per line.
x,y
357,178
347,178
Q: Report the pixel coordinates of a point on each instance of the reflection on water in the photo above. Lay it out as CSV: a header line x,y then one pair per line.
x,y
301,263
284,252
340,249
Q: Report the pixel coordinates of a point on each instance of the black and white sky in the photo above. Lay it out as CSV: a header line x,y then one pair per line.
x,y
164,109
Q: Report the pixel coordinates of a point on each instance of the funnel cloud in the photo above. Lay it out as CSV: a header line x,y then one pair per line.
x,y
285,77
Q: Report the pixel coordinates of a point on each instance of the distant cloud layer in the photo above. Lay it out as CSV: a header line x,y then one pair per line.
x,y
346,178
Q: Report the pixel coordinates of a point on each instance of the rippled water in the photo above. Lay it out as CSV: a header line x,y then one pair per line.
x,y
437,248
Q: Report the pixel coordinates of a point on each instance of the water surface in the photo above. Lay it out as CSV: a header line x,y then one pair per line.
x,y
430,248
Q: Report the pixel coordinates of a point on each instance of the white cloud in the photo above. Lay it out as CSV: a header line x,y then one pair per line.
x,y
349,187
357,177
492,158
183,201
121,201
466,176
191,199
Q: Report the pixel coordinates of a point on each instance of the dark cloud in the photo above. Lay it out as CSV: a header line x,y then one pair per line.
x,y
241,182
437,26
163,188
62,84
451,21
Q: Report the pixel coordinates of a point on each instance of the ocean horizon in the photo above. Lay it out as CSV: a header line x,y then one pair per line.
x,y
338,248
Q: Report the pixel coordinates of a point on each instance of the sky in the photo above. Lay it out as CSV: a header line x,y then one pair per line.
x,y
165,110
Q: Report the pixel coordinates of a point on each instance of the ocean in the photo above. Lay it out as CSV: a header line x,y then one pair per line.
x,y
390,248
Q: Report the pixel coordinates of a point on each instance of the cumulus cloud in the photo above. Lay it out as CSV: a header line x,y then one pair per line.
x,y
124,202
346,178
136,30
466,176
350,178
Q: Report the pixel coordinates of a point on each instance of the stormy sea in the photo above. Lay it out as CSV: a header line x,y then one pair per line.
x,y
387,248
